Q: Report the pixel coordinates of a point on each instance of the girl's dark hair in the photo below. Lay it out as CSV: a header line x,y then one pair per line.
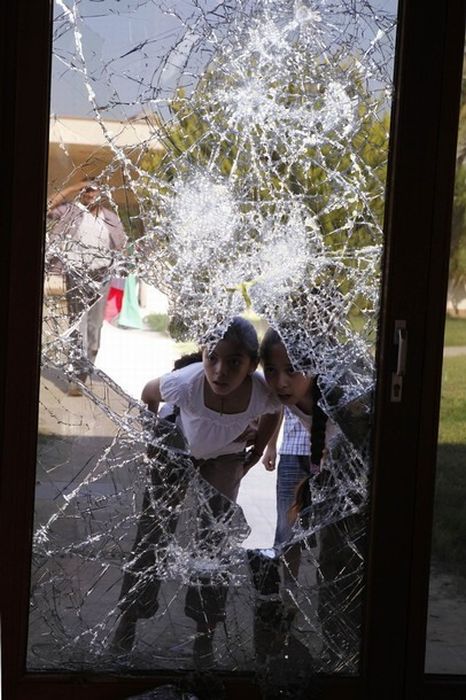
x,y
239,331
243,333
271,338
318,425
186,360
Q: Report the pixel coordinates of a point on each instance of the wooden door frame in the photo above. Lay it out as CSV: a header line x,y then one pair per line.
x,y
419,684
418,222
418,211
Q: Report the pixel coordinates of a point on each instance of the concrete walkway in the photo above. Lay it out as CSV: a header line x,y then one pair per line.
x,y
454,350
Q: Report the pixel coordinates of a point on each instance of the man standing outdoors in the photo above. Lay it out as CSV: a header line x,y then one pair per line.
x,y
87,233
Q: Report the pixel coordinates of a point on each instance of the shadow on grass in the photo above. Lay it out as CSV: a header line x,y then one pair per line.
x,y
449,532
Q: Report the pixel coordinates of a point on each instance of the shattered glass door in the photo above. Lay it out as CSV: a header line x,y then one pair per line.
x,y
216,182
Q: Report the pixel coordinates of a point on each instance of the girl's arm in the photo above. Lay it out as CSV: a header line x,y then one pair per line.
x,y
268,424
270,454
67,194
151,395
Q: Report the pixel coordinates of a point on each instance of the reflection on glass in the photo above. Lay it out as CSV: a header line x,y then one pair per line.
x,y
446,624
221,187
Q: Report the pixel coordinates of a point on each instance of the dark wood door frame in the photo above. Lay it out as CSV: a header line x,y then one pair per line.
x,y
424,126
418,222
420,685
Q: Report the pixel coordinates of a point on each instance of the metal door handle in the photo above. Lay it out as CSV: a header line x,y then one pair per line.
x,y
401,341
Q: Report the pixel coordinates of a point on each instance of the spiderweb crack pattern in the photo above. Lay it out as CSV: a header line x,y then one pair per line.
x,y
266,194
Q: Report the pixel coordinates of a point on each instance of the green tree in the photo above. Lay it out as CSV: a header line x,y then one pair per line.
x,y
457,275
341,181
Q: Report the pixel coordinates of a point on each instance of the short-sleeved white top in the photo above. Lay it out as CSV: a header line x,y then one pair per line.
x,y
209,433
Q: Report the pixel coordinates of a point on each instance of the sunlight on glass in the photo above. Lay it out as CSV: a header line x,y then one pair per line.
x,y
220,185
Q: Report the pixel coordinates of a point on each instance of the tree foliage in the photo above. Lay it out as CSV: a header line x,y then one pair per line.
x,y
188,134
310,149
458,228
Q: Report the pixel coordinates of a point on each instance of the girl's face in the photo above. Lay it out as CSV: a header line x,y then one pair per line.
x,y
226,367
290,386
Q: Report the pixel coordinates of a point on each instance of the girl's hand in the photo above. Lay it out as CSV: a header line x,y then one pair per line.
x,y
270,457
252,457
249,434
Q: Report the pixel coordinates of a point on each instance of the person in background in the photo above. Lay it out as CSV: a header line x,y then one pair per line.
x,y
88,234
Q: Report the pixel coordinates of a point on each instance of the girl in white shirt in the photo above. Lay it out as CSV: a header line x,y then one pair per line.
x,y
217,397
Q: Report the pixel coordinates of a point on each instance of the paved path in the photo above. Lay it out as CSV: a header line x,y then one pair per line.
x,y
446,624
454,351
132,357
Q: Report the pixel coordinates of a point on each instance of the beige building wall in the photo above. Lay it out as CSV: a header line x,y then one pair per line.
x,y
80,146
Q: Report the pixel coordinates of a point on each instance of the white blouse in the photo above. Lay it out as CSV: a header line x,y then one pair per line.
x,y
209,433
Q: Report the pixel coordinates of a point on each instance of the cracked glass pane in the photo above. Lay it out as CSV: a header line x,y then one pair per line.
x,y
211,292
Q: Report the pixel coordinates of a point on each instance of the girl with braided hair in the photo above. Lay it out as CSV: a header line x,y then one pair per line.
x,y
299,393
341,544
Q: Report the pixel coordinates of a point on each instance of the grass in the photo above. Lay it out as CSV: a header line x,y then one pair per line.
x,y
453,401
449,530
455,331
450,510
157,322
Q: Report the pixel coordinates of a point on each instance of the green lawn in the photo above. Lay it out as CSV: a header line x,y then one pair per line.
x,y
157,322
455,331
450,498
453,401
